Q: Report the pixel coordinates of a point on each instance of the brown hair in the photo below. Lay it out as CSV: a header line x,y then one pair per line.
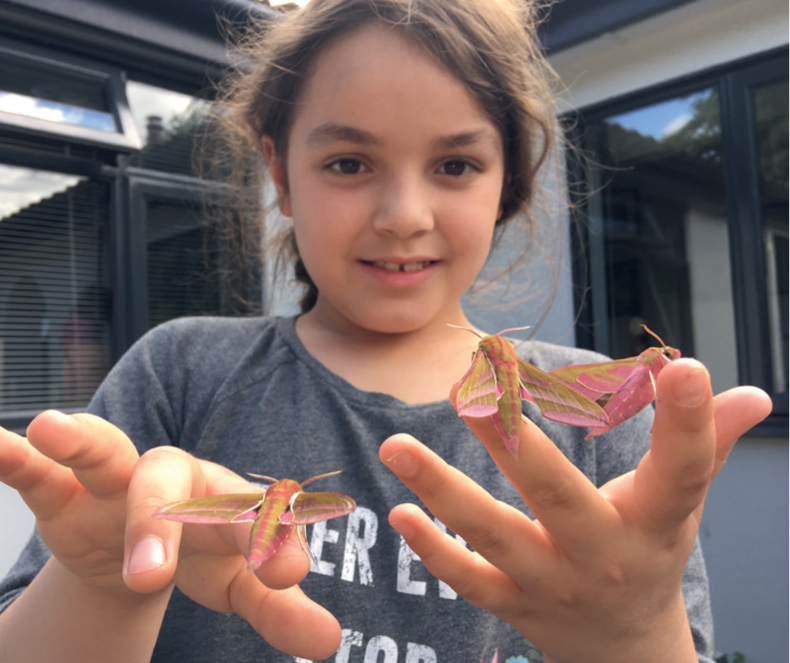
x,y
491,46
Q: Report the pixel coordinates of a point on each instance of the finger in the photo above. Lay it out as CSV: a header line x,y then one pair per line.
x,y
466,572
287,619
165,475
736,411
494,529
673,477
39,480
557,492
287,567
101,456
162,476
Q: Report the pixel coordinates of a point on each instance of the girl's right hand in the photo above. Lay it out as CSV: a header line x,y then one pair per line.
x,y
93,497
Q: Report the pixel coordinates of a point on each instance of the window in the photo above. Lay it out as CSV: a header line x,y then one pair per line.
x,y
170,125
102,236
688,225
770,128
181,261
41,94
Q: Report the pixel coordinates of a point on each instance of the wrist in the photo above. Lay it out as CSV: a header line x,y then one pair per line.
x,y
83,619
656,639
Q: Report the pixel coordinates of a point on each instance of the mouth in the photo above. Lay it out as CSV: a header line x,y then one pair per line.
x,y
400,266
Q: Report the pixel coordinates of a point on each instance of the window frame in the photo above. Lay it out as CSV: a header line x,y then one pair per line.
x,y
734,81
112,80
143,187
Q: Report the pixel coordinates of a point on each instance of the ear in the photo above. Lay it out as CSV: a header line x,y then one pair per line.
x,y
278,175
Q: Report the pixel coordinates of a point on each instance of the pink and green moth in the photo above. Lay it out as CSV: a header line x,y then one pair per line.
x,y
282,506
621,387
497,381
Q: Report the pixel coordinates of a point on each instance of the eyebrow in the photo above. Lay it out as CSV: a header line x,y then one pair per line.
x,y
330,132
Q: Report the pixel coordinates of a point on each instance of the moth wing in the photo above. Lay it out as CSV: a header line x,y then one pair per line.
x,y
307,508
606,377
479,391
635,394
216,510
557,400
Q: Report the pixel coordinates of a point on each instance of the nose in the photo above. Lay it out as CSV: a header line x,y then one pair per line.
x,y
404,207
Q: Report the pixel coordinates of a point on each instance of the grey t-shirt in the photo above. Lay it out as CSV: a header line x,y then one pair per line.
x,y
245,393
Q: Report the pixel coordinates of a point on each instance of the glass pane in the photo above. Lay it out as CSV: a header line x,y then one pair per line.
x,y
659,248
770,111
170,125
56,95
182,264
54,300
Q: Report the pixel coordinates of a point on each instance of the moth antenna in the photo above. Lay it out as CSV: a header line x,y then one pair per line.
x,y
321,476
262,476
505,331
465,329
655,336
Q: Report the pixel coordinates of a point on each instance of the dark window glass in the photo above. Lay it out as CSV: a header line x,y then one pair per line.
x,y
193,263
659,247
183,266
56,94
771,122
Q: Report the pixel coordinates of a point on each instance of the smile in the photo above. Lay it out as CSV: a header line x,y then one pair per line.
x,y
402,267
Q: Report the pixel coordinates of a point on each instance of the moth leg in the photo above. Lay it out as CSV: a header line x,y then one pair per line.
x,y
302,537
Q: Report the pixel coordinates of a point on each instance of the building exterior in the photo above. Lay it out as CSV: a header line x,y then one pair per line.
x,y
677,111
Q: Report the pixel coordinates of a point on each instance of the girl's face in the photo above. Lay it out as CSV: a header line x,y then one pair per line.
x,y
393,178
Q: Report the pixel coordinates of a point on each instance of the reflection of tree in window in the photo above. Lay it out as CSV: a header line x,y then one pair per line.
x,y
701,134
170,147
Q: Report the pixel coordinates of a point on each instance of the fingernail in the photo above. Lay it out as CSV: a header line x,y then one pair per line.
x,y
149,553
403,464
691,390
293,549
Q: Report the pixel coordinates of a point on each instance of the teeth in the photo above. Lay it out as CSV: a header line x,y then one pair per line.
x,y
402,267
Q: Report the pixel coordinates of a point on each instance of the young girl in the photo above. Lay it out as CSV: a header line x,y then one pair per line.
x,y
399,134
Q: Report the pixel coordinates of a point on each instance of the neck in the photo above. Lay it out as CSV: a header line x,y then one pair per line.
x,y
416,366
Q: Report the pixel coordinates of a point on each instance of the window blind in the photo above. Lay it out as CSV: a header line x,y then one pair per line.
x,y
54,299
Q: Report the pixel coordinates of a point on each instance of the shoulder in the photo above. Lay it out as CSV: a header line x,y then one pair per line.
x,y
198,333
175,372
203,343
205,346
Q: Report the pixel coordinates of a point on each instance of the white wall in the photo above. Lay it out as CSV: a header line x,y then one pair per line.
x,y
744,529
694,37
744,539
16,524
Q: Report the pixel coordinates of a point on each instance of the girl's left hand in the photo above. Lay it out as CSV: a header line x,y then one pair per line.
x,y
597,576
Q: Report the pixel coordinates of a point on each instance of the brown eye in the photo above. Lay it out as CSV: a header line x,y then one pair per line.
x,y
455,167
347,166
